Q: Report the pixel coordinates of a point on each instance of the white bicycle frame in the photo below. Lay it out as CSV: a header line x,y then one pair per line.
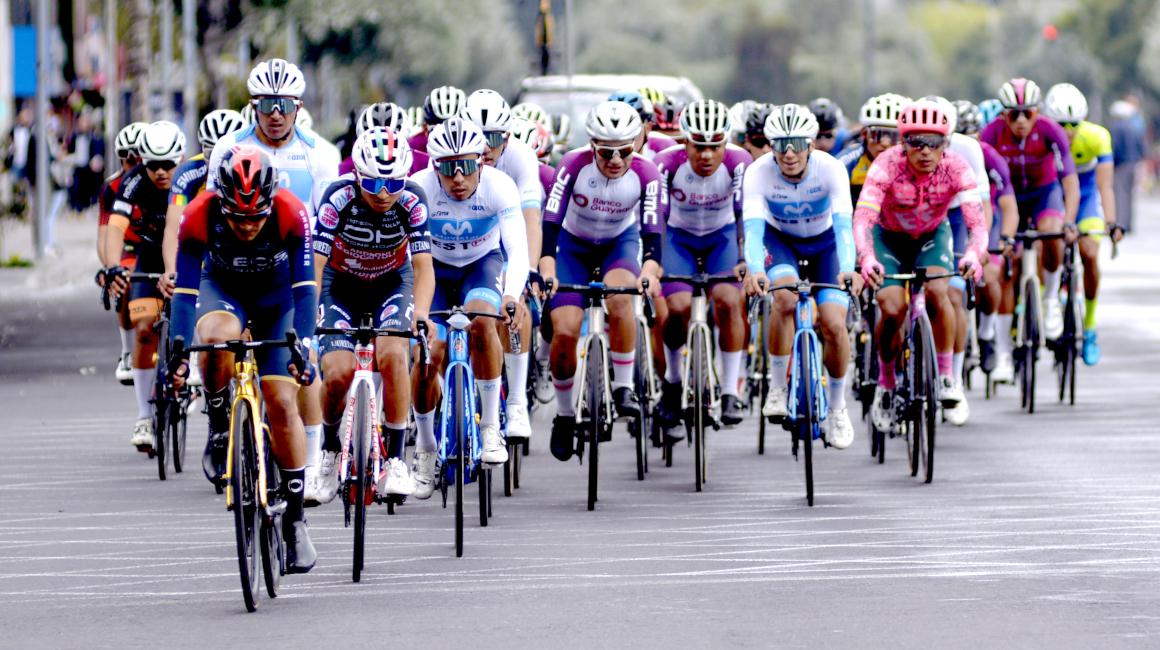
x,y
652,382
1029,268
364,374
595,316
699,321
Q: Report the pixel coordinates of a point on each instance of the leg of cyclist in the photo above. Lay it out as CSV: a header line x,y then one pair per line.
x,y
218,319
942,321
1089,252
144,312
678,296
622,341
832,308
391,360
479,284
128,336
1049,219
897,255
723,256
957,291
783,271
518,425
988,304
426,394
566,321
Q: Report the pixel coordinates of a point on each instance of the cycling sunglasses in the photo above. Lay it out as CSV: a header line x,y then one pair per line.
x,y
759,141
880,134
126,154
248,218
925,140
1070,127
495,138
466,166
267,105
155,165
608,153
1013,114
376,185
825,135
782,145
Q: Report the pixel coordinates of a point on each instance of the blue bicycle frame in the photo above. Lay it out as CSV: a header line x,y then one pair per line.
x,y
807,366
454,427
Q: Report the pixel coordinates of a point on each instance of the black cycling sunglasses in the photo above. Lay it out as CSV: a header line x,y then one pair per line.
x,y
267,105
759,141
925,140
1013,114
155,165
881,134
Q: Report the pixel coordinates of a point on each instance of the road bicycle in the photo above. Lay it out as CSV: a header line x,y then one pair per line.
x,y
760,307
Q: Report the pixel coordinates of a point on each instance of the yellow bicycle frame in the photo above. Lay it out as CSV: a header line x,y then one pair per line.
x,y
245,390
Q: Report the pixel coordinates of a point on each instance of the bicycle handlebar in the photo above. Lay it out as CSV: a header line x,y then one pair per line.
x,y
704,280
600,290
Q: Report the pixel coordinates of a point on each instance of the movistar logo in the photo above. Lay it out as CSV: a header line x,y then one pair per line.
x,y
457,230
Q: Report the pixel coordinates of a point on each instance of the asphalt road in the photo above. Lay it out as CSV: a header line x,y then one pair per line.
x,y
1039,531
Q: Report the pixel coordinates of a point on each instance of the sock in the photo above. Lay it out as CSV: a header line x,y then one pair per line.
x,y
489,399
293,483
1051,283
564,404
622,363
517,376
425,423
395,435
1003,333
313,444
778,365
1089,314
541,348
143,386
673,360
218,407
886,377
959,360
837,394
987,327
731,368
126,340
330,441
946,363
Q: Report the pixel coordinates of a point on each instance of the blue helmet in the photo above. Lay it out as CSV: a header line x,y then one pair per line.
x,y
990,108
638,102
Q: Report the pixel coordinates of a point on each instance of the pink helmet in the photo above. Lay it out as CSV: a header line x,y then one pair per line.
x,y
923,116
1020,93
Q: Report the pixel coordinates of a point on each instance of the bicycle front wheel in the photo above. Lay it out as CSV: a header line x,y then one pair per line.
x,y
643,424
359,481
243,488
594,393
178,415
161,418
459,386
1031,334
762,347
929,411
807,418
699,348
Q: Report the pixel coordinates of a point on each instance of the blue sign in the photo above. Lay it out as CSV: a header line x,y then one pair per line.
x,y
23,61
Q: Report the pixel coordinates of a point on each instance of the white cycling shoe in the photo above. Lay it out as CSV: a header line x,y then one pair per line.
x,y
775,401
396,479
1004,372
840,432
494,446
423,474
882,410
124,373
519,429
958,414
142,435
322,484
1052,317
950,393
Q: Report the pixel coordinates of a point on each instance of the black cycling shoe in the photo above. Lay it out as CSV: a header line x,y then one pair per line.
x,y
669,408
563,443
627,406
213,459
675,433
300,553
732,412
986,356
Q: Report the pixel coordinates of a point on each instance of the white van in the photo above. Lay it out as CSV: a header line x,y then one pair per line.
x,y
557,95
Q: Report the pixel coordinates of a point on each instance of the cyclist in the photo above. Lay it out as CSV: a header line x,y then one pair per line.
x,y
306,168
703,181
990,109
540,140
491,113
243,260
474,213
126,145
1043,172
738,116
441,103
797,207
393,117
668,118
606,205
367,223
140,206
879,120
832,135
1091,147
648,144
900,224
753,140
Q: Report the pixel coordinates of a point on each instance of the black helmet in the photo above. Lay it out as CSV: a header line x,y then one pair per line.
x,y
828,114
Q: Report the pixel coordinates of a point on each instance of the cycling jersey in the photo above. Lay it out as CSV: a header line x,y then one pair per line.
x,y
519,162
463,232
655,143
972,152
365,244
105,203
702,204
419,162
140,206
1091,146
998,174
547,177
188,180
597,209
418,141
305,167
896,199
1036,161
857,163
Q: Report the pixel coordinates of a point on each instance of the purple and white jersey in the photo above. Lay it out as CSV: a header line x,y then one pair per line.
x,y
598,209
655,143
547,177
702,204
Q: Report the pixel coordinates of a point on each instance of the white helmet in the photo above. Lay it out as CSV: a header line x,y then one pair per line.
x,y
737,114
415,113
455,137
277,78
947,108
706,121
881,111
380,152
247,114
216,124
444,102
304,119
387,114
791,121
533,112
489,110
162,141
1019,93
129,139
1065,103
532,134
560,128
613,121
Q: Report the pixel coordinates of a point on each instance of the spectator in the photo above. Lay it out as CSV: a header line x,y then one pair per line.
x,y
86,153
1128,149
22,156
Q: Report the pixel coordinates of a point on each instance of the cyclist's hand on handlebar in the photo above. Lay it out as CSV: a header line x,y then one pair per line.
x,y
306,371
116,280
741,271
421,317
873,273
756,283
851,280
970,267
650,271
1116,231
166,284
178,373
521,313
1070,233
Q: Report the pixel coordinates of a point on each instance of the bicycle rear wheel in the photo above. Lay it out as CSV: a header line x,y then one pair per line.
x,y
358,482
1072,333
700,368
178,415
763,370
270,535
243,486
161,417
594,392
484,481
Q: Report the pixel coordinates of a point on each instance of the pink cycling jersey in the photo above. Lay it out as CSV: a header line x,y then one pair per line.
x,y
1038,160
899,200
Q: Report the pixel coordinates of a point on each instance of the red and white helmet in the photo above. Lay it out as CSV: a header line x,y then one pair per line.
x,y
1020,93
247,181
924,116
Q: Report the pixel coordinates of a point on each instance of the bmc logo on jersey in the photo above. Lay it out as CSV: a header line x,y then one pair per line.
x,y
328,216
558,191
648,209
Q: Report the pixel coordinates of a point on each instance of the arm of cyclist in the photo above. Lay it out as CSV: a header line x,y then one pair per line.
x,y
866,216
191,246
294,226
115,243
842,210
654,211
754,211
514,238
419,241
554,211
1108,198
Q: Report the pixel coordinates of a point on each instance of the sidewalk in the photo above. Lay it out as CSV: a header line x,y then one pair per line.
x,y
70,268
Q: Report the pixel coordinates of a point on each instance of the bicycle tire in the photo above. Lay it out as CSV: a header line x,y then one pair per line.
x,y
929,399
594,378
484,481
243,487
270,537
1031,339
459,385
913,381
642,424
806,415
179,415
508,468
1073,328
160,427
699,366
359,479
763,365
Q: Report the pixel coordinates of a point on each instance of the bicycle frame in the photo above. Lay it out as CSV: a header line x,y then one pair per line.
x,y
364,373
806,338
594,310
699,322
458,358
245,383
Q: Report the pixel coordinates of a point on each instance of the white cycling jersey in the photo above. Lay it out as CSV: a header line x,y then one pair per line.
x,y
969,148
463,232
702,204
306,167
519,162
803,209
